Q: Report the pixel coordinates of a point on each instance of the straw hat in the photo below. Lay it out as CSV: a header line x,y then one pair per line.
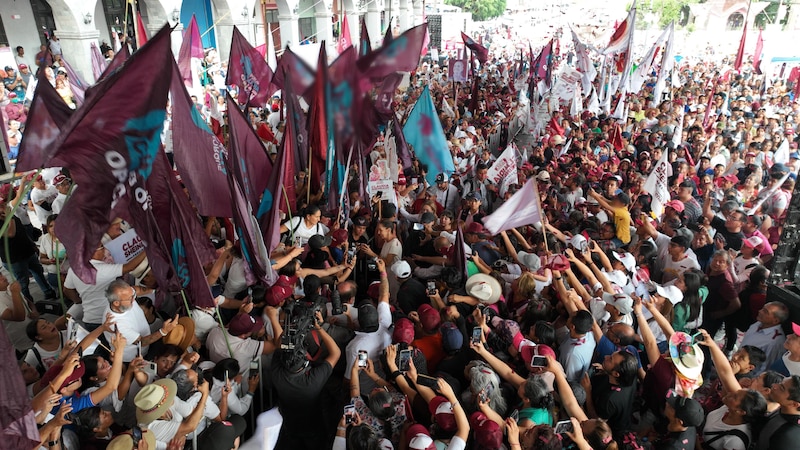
x,y
484,287
125,441
687,357
183,333
154,400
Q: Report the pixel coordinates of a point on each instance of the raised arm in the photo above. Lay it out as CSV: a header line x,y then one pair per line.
x,y
724,369
649,340
568,400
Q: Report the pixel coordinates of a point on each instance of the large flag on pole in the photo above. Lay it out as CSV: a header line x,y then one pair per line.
x,y
757,55
296,130
184,234
401,55
480,52
301,75
621,39
648,62
17,418
423,131
667,63
345,40
364,45
737,63
141,33
318,127
191,47
248,70
541,66
109,149
584,64
199,155
253,166
521,209
657,184
46,118
624,83
119,59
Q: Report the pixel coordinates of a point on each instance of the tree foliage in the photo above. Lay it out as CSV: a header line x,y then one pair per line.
x,y
665,10
481,9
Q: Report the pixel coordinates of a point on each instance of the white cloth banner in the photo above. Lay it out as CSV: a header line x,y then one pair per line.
x,y
125,247
504,170
567,81
521,209
657,185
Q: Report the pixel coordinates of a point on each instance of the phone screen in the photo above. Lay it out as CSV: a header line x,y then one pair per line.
x,y
431,288
362,358
349,413
539,361
405,358
563,427
476,335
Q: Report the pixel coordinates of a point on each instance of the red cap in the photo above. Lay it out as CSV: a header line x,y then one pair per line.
x,y
53,372
338,236
403,331
475,228
429,317
244,324
796,328
277,294
487,432
442,413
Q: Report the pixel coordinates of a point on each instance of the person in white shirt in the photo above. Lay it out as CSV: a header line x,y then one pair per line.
x,y
240,395
63,185
89,300
239,342
42,197
303,227
130,320
767,333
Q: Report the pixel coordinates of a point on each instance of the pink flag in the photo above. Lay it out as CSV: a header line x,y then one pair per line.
x,y
98,62
249,72
76,83
345,40
191,47
521,209
17,419
141,34
253,165
757,55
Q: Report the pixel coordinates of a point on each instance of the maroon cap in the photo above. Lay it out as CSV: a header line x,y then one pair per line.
x,y
403,331
338,236
529,351
53,372
244,324
487,432
475,228
276,294
429,317
442,413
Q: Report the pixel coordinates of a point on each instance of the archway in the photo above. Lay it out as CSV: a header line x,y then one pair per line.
x,y
735,22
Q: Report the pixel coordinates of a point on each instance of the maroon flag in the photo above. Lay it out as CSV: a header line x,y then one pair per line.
x,y
318,126
183,233
17,420
248,70
47,116
76,83
541,66
253,166
300,74
365,45
370,119
757,55
459,255
737,64
480,52
98,62
707,122
401,55
345,40
109,148
388,37
403,152
251,240
119,59
298,147
199,155
191,47
386,93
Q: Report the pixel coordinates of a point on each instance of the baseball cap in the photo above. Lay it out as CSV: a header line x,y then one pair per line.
x,y
401,269
677,205
486,431
543,176
419,438
60,178
442,413
474,196
244,324
53,372
368,318
475,228
277,294
25,66
452,339
403,331
318,241
360,221
441,178
428,317
528,349
622,302
338,237
753,242
688,410
627,260
681,240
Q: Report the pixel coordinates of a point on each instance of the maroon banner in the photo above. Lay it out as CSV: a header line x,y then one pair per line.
x,y
401,55
365,45
248,70
17,419
191,47
109,148
119,59
47,116
480,52
253,166
302,76
318,126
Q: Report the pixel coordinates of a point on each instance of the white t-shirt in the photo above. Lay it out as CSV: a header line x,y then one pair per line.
x,y
37,195
93,296
236,281
132,324
47,357
673,269
58,203
743,267
165,430
244,350
185,408
297,227
714,423
792,366
50,247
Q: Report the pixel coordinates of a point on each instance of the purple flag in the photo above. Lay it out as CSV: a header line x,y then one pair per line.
x,y
541,66
480,52
459,255
364,45
184,234
248,70
248,231
98,62
300,74
386,93
401,55
253,166
403,152
317,125
296,132
76,83
191,47
109,149
17,420
199,155
119,59
388,37
47,116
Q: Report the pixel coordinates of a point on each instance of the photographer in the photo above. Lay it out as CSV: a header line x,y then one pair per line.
x,y
299,385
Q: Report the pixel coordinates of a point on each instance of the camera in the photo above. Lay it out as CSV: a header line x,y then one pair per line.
x,y
372,264
336,301
431,289
351,254
298,321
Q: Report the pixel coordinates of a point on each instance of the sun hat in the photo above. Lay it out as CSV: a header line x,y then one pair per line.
x,y
183,333
125,441
154,399
687,357
484,287
622,302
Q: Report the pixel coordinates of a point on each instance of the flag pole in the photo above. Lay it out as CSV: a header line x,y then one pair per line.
x,y
215,24
543,218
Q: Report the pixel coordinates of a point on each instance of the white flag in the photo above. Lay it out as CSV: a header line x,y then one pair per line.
x,y
584,63
765,193
504,170
521,209
645,67
657,186
782,153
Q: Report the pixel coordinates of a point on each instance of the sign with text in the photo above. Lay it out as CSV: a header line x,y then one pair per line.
x,y
125,247
385,187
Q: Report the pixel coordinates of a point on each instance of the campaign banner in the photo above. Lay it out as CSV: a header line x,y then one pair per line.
x,y
125,247
567,81
459,70
504,170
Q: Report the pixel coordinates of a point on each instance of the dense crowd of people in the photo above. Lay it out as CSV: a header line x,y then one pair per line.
x,y
605,325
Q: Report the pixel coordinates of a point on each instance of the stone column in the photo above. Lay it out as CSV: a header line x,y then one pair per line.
x,y
418,12
75,45
177,39
374,23
324,25
224,34
290,30
405,20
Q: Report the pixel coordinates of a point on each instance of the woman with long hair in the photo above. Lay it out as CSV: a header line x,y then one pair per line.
x,y
688,312
722,301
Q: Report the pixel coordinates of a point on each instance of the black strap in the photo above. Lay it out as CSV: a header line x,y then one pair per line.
x,y
38,356
732,432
